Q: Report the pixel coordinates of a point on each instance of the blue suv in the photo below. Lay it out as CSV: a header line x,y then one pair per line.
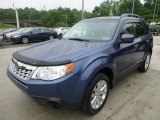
x,y
83,66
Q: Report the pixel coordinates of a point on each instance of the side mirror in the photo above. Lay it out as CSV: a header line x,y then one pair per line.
x,y
30,32
127,38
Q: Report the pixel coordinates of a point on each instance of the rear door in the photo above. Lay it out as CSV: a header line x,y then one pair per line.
x,y
140,40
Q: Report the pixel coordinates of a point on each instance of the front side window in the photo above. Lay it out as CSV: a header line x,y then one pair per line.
x,y
128,29
93,30
139,29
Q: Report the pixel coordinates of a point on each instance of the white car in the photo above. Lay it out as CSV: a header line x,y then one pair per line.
x,y
8,35
62,30
153,23
1,38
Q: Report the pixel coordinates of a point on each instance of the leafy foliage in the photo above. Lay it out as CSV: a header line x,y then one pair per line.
x,y
68,17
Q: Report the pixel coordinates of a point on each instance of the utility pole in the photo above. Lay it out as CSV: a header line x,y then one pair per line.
x,y
66,20
17,17
29,18
133,7
157,12
82,9
154,10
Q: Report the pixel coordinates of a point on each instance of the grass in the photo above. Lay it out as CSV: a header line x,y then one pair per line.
x,y
6,26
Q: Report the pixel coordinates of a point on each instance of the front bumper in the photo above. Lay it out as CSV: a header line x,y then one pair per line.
x,y
69,88
15,40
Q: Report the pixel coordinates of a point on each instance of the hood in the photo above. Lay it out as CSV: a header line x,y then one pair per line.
x,y
56,52
11,34
15,33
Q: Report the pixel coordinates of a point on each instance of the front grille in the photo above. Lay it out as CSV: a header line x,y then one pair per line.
x,y
21,70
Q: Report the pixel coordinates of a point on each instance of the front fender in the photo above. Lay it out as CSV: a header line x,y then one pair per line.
x,y
94,65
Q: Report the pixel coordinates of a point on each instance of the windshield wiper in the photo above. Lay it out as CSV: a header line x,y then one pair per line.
x,y
79,39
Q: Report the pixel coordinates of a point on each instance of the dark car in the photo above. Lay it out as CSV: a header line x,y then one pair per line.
x,y
32,34
155,30
81,68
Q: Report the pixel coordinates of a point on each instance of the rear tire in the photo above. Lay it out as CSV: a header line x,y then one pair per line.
x,y
25,40
145,65
96,94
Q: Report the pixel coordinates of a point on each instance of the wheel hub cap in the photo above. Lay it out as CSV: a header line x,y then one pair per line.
x,y
147,61
99,94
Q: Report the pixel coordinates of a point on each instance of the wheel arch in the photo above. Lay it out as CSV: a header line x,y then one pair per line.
x,y
150,50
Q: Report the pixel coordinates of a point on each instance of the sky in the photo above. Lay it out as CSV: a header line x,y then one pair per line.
x,y
50,4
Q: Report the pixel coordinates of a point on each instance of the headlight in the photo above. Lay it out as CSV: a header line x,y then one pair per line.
x,y
52,73
16,36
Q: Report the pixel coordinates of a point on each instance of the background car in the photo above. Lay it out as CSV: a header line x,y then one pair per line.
x,y
62,30
8,35
4,31
32,34
155,30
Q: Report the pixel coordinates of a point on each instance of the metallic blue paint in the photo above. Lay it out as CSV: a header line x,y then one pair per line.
x,y
88,58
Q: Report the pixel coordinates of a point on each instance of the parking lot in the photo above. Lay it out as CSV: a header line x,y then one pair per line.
x,y
135,97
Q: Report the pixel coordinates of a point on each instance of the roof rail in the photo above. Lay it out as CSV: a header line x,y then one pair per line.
x,y
131,15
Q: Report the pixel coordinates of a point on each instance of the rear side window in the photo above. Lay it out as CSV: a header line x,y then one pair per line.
x,y
35,30
45,30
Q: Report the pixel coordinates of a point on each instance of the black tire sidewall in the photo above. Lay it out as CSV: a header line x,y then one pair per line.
x,y
86,103
148,53
142,67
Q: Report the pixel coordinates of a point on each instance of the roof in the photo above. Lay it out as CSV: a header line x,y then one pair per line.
x,y
112,17
123,16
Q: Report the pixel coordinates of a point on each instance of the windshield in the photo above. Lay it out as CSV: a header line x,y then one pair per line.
x,y
27,30
21,30
93,30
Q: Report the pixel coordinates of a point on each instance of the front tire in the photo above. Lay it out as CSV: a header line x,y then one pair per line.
x,y
25,40
51,37
145,65
96,94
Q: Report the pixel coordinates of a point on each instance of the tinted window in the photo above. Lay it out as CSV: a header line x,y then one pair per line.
x,y
128,29
35,30
139,29
45,30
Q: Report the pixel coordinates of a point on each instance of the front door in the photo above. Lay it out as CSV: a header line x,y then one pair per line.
x,y
126,53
